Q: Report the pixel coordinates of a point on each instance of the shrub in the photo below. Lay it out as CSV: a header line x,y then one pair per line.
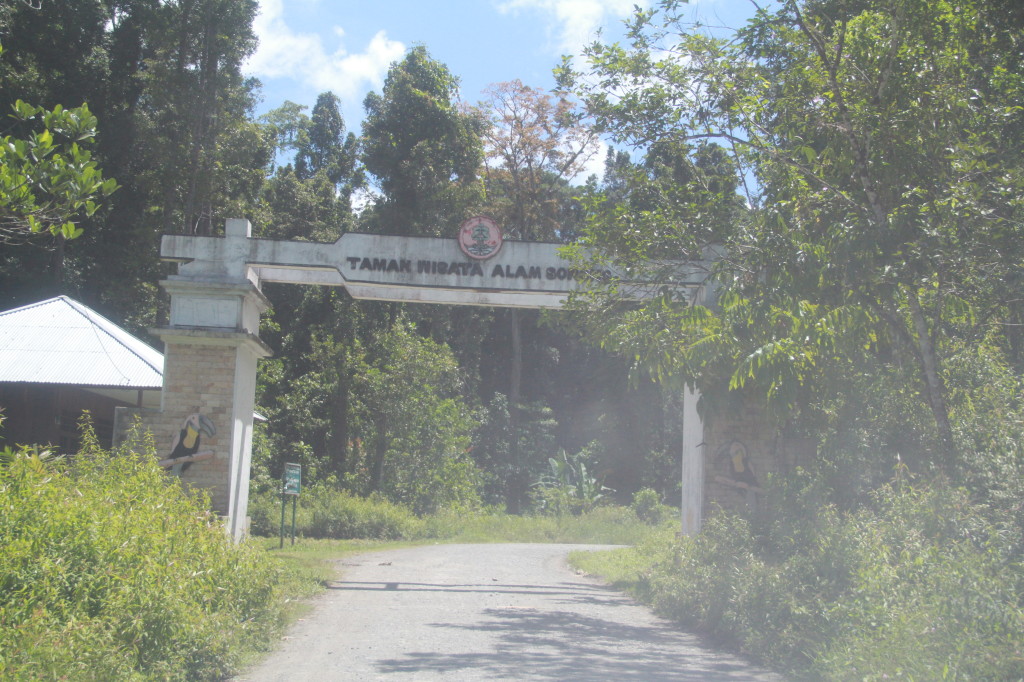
x,y
604,525
921,583
326,512
648,507
568,487
110,570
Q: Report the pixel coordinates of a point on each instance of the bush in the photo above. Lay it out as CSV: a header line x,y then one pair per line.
x,y
604,525
568,487
325,512
919,584
648,507
110,570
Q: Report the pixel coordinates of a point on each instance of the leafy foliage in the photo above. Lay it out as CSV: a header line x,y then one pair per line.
x,y
568,487
324,511
112,571
329,513
48,177
920,584
164,81
534,144
325,148
416,427
648,507
423,151
878,146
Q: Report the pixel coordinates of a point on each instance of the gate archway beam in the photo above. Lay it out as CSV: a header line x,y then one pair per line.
x,y
413,269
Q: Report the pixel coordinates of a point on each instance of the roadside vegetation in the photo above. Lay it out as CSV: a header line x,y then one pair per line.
x,y
853,168
325,513
111,571
312,560
869,300
920,584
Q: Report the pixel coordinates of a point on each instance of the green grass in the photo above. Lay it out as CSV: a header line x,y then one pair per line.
x,y
327,513
609,525
624,568
310,561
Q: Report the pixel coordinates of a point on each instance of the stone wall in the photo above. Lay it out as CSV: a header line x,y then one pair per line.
x,y
200,379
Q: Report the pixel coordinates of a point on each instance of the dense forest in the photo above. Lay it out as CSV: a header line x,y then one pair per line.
x,y
430,406
857,165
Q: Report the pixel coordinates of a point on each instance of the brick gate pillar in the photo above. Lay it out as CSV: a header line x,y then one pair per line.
x,y
210,370
203,431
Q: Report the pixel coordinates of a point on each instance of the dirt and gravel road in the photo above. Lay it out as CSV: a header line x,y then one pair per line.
x,y
486,612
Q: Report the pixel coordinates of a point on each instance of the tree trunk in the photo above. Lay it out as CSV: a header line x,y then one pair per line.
x,y
380,450
57,264
338,445
516,375
935,387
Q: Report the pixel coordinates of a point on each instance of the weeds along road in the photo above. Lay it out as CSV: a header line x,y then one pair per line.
x,y
485,612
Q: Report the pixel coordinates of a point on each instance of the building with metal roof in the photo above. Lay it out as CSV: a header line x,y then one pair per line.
x,y
59,358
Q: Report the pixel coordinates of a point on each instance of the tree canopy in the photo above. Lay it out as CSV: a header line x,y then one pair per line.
x,y
879,144
423,151
853,165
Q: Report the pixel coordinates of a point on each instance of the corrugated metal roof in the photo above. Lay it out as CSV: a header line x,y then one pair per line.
x,y
61,341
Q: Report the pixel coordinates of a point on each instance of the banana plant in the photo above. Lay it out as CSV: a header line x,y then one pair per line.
x,y
569,486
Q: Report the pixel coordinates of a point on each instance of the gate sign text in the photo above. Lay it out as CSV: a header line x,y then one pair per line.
x,y
398,268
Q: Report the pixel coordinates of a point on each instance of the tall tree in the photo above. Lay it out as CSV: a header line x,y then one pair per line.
x,y
195,95
535,144
883,140
164,81
414,424
423,151
290,126
307,391
423,155
326,148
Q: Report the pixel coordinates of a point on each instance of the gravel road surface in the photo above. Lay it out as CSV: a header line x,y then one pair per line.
x,y
486,612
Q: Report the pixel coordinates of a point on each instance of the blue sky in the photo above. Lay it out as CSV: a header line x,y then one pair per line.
x,y
310,46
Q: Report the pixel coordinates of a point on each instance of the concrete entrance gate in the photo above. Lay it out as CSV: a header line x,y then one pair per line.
x,y
212,342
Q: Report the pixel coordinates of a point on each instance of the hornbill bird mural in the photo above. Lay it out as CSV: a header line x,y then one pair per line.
x,y
735,464
185,448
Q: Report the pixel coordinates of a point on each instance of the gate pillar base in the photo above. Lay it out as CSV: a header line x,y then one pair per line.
x,y
213,375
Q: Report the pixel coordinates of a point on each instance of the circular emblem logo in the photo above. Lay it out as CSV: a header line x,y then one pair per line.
x,y
480,238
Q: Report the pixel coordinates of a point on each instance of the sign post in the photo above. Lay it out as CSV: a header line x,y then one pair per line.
x,y
291,485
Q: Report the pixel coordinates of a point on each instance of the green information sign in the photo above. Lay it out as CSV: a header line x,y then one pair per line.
x,y
291,485
292,479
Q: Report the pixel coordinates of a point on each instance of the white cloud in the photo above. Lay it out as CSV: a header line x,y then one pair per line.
x,y
577,21
302,57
